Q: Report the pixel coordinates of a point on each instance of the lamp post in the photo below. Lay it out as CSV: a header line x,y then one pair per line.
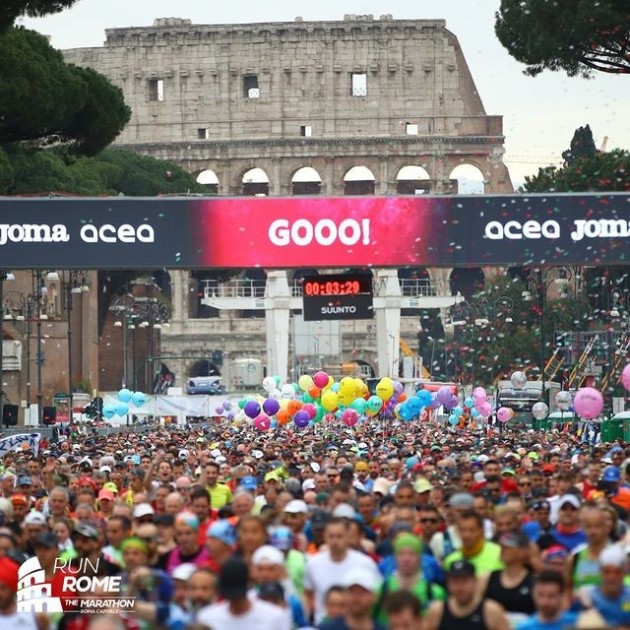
x,y
4,275
141,312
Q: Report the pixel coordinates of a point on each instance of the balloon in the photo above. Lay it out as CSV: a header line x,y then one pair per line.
x,y
109,411
359,405
475,413
293,406
251,409
262,422
384,388
124,395
625,377
242,402
469,402
485,409
453,420
518,379
435,403
320,379
588,403
398,387
504,414
452,403
540,411
402,397
269,384
314,392
374,405
329,400
424,396
350,417
122,409
564,400
334,387
138,399
479,395
219,410
283,417
444,395
310,409
287,391
305,382
271,406
275,393
319,416
346,396
457,411
301,419
227,405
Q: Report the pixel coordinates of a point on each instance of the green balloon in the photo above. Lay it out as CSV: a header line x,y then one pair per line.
x,y
242,403
359,405
319,416
307,398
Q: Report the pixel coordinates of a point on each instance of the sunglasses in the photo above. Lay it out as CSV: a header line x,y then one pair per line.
x,y
429,520
145,519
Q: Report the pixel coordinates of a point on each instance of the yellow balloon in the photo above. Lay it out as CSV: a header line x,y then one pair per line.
x,y
397,411
345,397
329,400
305,382
385,388
331,382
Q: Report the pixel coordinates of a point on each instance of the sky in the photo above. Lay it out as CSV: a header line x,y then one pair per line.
x,y
539,114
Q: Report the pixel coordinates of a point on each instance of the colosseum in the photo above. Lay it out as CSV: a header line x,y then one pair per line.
x,y
357,106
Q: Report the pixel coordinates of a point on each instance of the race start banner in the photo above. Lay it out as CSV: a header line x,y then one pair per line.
x,y
294,232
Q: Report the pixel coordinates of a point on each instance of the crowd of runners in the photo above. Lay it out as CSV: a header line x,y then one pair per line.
x,y
415,526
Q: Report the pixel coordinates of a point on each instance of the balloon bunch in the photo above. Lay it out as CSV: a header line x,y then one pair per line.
x,y
125,397
318,396
225,410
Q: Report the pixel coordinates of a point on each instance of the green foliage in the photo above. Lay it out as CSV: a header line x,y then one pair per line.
x,y
574,36
13,9
582,146
6,173
112,172
45,101
605,172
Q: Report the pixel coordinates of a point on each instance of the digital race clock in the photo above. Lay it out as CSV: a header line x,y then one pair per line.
x,y
337,296
338,284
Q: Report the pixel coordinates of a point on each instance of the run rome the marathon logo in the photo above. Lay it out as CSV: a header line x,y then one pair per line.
x,y
89,233
81,589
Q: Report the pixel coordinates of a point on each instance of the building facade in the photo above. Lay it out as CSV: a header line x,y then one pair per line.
x,y
354,106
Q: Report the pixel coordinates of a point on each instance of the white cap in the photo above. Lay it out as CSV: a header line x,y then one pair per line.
x,y
613,556
571,499
183,453
267,555
344,510
183,571
257,454
382,486
143,509
220,459
297,506
368,580
105,469
215,453
35,518
308,484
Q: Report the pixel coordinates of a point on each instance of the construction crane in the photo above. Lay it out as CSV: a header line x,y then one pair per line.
x,y
408,352
620,356
555,362
581,361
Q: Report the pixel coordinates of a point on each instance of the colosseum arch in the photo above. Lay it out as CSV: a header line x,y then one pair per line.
x,y
255,182
413,180
209,179
359,180
467,179
306,181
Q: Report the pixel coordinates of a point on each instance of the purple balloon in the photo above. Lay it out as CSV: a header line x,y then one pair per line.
x,y
444,395
301,419
435,403
271,406
398,387
227,405
454,401
252,409
219,410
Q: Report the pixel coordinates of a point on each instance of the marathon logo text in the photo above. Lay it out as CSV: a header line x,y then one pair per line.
x,y
582,228
89,233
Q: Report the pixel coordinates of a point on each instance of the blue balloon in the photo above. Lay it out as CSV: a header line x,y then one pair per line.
x,y
414,404
453,420
109,411
424,396
458,411
138,399
475,413
124,395
469,402
122,409
335,387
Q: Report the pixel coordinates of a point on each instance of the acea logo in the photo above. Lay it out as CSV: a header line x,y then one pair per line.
x,y
81,589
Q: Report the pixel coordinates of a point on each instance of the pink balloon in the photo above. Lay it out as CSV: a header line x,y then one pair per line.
x,y
625,377
485,409
349,417
320,379
262,422
503,414
479,396
310,409
588,403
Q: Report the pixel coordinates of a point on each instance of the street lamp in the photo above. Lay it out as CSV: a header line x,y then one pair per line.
x,y
76,283
4,275
133,312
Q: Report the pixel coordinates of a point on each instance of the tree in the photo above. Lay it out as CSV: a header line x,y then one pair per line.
x,y
575,36
582,146
13,9
45,101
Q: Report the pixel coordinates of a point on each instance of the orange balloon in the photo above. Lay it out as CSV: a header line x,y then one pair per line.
x,y
293,406
283,416
314,392
402,397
